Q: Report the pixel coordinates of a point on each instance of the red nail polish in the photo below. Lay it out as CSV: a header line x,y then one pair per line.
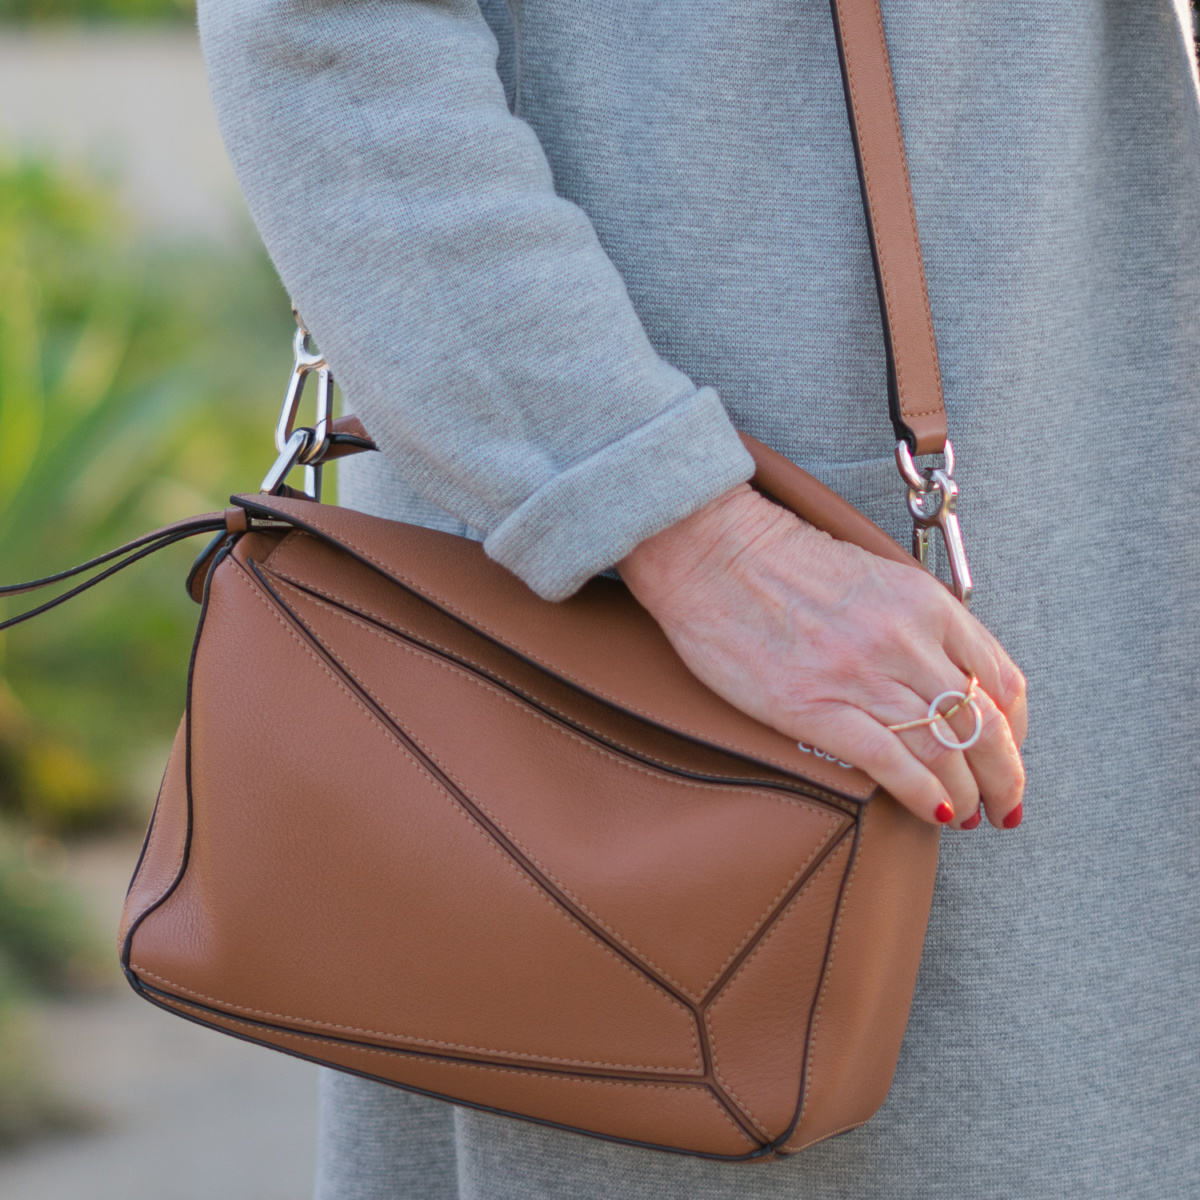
x,y
944,813
973,822
1013,819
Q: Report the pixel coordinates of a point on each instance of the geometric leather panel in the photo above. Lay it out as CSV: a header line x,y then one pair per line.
x,y
682,881
554,909
407,840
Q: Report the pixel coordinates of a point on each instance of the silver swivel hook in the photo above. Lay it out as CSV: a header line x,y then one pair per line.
x,y
307,445
936,484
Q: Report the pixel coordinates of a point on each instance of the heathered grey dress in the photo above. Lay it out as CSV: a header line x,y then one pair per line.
x,y
544,319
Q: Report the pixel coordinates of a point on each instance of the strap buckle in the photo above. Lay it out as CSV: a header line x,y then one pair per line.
x,y
938,483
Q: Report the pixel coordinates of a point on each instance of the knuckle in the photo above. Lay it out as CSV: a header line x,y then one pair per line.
x,y
933,754
1012,684
994,726
874,748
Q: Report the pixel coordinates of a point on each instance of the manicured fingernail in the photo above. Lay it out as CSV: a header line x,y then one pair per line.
x,y
1013,819
973,822
944,814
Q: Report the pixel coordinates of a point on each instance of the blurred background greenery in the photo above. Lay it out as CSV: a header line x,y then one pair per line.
x,y
139,381
140,11
137,385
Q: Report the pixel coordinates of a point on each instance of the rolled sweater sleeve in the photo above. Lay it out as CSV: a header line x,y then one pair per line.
x,y
469,312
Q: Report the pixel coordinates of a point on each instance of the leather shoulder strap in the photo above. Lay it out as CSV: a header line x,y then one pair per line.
x,y
914,379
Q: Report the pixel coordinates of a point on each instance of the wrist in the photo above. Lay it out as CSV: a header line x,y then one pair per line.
x,y
709,540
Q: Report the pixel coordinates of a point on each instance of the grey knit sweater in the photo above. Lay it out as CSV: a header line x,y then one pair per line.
x,y
545,284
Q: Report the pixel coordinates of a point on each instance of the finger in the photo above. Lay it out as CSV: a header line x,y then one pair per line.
x,y
996,764
969,645
994,760
857,738
902,705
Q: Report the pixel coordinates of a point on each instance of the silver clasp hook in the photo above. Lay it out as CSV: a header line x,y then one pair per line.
x,y
939,483
304,446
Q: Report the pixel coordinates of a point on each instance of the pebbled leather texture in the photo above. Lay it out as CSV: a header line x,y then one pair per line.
x,y
421,825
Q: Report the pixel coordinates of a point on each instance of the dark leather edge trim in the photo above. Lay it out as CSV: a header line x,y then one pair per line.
x,y
252,506
141,858
781,1141
902,432
161,1000
127,945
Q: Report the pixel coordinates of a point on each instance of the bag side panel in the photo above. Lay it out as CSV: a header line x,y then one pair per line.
x,y
334,885
166,839
760,1021
666,1116
863,1008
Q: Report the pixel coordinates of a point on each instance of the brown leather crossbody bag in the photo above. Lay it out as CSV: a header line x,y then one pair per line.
x,y
421,825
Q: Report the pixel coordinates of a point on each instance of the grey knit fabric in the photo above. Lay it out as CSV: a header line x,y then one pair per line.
x,y
550,379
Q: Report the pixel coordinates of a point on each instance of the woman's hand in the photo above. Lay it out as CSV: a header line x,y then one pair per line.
x,y
830,644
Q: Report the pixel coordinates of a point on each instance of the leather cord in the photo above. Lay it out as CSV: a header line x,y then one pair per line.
x,y
125,556
914,379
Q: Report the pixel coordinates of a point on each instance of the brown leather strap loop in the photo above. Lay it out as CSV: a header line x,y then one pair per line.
x,y
914,379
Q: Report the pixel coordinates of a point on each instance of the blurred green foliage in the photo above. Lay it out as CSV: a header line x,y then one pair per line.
x,y
136,11
138,384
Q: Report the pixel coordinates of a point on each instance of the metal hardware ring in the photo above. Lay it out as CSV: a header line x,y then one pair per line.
x,y
917,480
935,724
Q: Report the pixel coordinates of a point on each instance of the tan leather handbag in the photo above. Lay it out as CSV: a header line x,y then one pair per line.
x,y
420,825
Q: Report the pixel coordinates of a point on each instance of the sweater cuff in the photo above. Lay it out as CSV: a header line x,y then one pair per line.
x,y
590,516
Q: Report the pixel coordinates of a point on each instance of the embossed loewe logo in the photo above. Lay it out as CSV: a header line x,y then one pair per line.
x,y
825,755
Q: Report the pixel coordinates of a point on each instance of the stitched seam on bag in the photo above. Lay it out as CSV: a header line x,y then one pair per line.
x,y
428,592
696,996
712,1035
625,1083
786,1152
363,610
828,974
490,842
779,896
528,708
315,1024
883,265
